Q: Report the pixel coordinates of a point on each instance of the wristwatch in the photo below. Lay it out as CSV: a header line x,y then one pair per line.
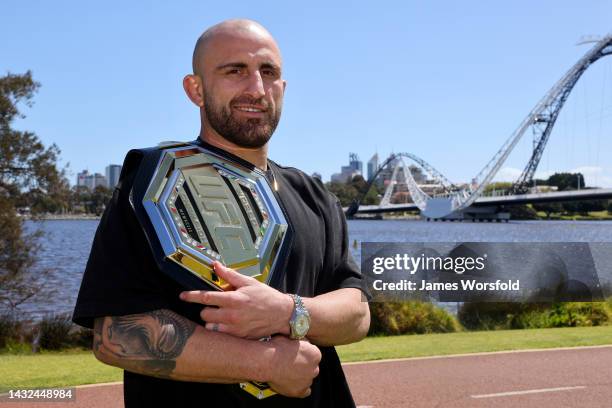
x,y
300,319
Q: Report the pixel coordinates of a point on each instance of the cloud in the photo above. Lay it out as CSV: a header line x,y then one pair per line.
x,y
511,174
507,174
595,176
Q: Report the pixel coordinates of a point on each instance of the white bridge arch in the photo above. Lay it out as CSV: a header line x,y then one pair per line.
x,y
541,120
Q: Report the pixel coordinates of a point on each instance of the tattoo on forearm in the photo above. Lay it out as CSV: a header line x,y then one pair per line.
x,y
148,342
97,332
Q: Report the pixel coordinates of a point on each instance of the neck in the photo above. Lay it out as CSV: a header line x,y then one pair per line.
x,y
257,156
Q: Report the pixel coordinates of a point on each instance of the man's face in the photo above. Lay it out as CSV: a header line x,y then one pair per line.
x,y
243,89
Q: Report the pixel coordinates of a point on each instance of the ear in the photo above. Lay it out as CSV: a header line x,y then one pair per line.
x,y
194,90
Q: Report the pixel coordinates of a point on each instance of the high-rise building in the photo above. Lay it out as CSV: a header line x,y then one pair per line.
x,y
82,178
98,180
418,175
355,163
91,181
112,175
348,172
372,166
387,172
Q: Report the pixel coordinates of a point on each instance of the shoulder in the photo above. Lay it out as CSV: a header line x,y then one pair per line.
x,y
133,161
135,157
304,184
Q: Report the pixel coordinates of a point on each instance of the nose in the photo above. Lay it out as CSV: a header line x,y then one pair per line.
x,y
255,86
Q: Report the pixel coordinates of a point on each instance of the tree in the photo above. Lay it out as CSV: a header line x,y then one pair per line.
x,y
583,207
345,192
361,187
499,186
522,212
99,199
354,188
548,208
567,181
28,172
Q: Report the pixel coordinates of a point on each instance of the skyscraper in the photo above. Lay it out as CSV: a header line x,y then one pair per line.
x,y
348,172
112,175
372,166
355,163
91,181
82,178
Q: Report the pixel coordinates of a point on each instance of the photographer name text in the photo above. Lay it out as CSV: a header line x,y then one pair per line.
x,y
465,284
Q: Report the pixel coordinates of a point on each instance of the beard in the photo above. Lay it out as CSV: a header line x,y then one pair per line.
x,y
251,132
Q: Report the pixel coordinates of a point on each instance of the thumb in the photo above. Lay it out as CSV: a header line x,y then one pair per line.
x,y
232,277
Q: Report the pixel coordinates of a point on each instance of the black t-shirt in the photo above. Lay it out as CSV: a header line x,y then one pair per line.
x,y
122,278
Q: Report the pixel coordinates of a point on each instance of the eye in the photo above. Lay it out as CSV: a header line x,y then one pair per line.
x,y
269,73
234,71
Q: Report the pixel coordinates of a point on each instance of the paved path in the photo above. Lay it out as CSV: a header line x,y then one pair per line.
x,y
579,377
574,377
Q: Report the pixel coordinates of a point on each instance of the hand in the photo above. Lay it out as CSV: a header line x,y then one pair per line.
x,y
252,310
294,365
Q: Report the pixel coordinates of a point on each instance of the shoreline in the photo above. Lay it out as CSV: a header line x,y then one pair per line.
x,y
63,217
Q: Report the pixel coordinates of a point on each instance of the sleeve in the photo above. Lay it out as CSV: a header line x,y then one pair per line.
x,y
121,276
347,274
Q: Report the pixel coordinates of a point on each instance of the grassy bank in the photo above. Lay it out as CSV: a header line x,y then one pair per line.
x,y
80,367
591,216
376,348
53,369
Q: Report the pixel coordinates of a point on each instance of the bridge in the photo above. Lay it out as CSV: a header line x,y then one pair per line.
x,y
469,202
491,208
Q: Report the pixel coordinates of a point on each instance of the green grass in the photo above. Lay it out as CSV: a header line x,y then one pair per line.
x,y
592,216
376,348
56,369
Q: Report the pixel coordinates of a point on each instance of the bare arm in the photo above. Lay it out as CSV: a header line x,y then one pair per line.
x,y
256,310
338,317
164,344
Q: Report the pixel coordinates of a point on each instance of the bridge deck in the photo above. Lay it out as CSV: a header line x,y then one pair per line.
x,y
558,196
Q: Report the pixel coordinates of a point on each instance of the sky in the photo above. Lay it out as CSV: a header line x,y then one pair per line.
x,y
448,81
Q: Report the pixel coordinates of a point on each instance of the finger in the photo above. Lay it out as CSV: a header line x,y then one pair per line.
x,y
232,277
213,315
211,298
218,328
219,298
193,296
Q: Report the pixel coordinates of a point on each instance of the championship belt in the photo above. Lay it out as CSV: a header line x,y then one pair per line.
x,y
198,206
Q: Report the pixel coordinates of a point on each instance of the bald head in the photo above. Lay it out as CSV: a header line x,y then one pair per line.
x,y
229,29
237,83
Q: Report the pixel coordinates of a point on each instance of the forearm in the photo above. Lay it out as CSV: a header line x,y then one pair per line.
x,y
166,345
338,317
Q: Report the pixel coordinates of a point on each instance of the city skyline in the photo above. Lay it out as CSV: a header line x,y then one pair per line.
x,y
354,167
393,82
92,180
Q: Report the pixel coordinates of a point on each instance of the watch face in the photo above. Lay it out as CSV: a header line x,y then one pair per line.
x,y
301,325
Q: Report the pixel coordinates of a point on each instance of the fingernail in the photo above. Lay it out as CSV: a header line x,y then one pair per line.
x,y
182,295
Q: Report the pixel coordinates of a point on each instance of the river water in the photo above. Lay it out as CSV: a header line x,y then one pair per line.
x,y
67,244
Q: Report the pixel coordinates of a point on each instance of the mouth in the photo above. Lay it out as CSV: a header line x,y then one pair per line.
x,y
250,110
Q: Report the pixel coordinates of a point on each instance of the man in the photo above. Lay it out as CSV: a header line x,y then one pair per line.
x,y
190,348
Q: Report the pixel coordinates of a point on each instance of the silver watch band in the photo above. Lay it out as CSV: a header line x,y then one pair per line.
x,y
299,318
297,300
